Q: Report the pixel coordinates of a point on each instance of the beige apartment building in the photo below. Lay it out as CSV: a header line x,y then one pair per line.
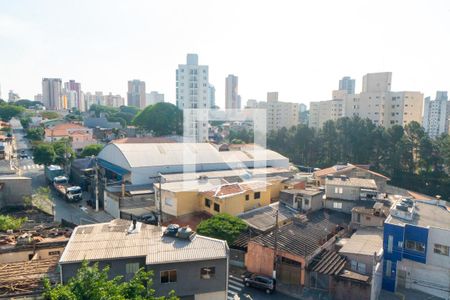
x,y
376,102
281,114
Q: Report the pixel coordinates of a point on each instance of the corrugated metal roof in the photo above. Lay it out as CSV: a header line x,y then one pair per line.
x,y
169,154
263,218
112,240
353,182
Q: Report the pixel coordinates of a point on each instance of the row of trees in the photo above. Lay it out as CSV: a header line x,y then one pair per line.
x,y
124,114
407,155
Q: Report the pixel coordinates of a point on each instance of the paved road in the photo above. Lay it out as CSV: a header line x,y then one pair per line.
x,y
72,212
237,291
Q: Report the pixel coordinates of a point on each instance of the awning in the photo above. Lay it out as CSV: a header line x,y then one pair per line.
x,y
112,167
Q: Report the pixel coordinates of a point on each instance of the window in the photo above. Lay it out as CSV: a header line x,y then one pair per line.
x,y
441,249
257,195
361,268
390,243
306,202
168,201
217,207
415,246
54,253
208,272
247,197
368,218
388,270
207,202
169,276
131,268
337,205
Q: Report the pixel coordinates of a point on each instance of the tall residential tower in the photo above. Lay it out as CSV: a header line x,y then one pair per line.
x,y
51,93
136,93
232,98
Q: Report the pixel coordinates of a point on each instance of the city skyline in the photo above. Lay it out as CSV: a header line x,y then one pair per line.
x,y
293,48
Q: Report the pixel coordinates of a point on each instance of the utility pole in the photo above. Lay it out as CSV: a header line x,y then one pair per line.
x,y
275,247
96,185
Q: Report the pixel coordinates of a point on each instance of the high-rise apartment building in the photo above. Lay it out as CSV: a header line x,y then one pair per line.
x,y
212,96
193,91
192,84
280,114
347,84
376,102
113,100
52,93
73,91
232,98
38,97
136,93
12,96
436,114
153,97
252,103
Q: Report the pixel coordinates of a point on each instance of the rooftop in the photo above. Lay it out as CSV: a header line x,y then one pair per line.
x,y
112,240
64,128
308,192
328,262
232,189
303,239
425,214
263,218
364,242
191,186
338,169
353,182
371,211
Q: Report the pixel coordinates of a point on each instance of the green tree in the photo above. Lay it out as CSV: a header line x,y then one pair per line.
x,y
9,222
94,284
27,103
90,150
222,226
50,115
9,111
63,151
44,154
161,119
35,134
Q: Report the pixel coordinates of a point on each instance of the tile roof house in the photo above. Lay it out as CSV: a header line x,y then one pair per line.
x,y
193,267
80,136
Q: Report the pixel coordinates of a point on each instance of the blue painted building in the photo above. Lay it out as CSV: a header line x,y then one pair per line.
x,y
416,242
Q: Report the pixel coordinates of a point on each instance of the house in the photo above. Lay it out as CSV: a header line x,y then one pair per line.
x,y
369,216
302,200
194,266
351,171
416,246
297,244
14,190
26,258
344,193
79,135
211,196
263,219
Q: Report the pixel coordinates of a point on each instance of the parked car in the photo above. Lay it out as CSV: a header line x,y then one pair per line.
x,y
260,282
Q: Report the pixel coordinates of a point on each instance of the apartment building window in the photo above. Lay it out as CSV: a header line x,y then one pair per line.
x,y
358,267
441,249
247,197
54,253
337,205
338,190
390,243
257,195
207,202
208,272
217,207
169,276
415,246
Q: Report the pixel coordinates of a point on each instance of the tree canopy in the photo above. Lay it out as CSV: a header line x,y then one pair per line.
x,y
123,114
90,150
27,103
407,155
94,284
222,226
160,119
35,134
58,152
9,111
49,115
44,154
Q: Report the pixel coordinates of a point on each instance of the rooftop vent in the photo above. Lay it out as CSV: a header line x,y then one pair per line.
x,y
344,177
185,233
172,230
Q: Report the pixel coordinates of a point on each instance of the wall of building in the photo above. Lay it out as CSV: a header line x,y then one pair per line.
x,y
366,220
349,290
112,204
18,256
346,206
348,192
13,190
189,281
442,237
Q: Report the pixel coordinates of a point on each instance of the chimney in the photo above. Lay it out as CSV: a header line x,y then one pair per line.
x,y
134,224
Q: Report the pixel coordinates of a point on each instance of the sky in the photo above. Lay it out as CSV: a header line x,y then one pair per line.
x,y
299,48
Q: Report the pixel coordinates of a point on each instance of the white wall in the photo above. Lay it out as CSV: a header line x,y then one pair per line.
x,y
438,236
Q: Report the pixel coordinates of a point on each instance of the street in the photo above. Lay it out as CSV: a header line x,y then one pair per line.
x,y
238,291
77,213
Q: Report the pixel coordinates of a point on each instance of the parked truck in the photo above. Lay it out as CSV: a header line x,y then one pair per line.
x,y
53,171
70,193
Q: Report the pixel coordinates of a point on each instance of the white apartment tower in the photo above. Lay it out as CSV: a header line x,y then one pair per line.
x,y
435,114
51,93
193,91
136,93
153,97
74,95
232,98
281,114
347,84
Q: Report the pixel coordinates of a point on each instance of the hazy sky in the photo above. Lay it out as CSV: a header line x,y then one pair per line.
x,y
299,48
